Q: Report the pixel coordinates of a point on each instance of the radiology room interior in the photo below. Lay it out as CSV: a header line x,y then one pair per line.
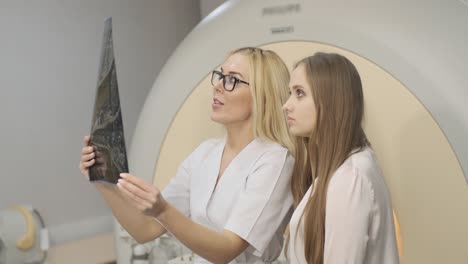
x,y
50,54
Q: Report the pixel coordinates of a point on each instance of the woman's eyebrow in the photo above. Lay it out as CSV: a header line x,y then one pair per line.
x,y
297,86
236,73
232,73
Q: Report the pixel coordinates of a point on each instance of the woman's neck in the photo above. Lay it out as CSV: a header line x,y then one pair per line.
x,y
239,136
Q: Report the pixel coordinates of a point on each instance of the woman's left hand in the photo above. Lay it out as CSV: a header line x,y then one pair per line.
x,y
146,197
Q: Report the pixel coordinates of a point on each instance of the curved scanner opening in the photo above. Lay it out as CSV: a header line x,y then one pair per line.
x,y
420,167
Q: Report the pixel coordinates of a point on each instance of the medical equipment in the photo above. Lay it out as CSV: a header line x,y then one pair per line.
x,y
412,58
23,236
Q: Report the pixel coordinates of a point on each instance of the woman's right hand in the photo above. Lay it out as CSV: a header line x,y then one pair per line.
x,y
87,157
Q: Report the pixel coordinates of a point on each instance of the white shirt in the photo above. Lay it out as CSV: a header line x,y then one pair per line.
x,y
252,198
359,225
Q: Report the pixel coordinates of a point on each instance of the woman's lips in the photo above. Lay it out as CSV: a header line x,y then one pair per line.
x,y
217,104
217,101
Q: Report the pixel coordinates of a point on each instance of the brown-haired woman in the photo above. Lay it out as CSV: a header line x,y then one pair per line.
x,y
343,211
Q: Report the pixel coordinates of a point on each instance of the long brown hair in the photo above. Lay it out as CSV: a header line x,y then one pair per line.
x,y
337,91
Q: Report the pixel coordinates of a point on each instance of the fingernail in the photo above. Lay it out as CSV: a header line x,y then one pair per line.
x,y
123,175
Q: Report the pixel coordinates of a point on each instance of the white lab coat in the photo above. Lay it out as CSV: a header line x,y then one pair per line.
x,y
359,226
252,198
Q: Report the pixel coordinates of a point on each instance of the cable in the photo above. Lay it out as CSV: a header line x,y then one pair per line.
x,y
40,217
43,233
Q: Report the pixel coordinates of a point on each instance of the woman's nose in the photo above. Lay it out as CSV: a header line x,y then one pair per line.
x,y
286,106
218,87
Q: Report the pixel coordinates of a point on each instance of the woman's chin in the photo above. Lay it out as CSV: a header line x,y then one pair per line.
x,y
217,119
296,133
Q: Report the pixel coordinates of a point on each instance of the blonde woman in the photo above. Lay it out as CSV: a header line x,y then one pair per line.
x,y
343,212
230,200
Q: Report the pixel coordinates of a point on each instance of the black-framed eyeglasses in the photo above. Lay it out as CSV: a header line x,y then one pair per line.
x,y
229,81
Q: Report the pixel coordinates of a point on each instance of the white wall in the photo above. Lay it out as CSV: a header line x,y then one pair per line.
x,y
206,6
49,55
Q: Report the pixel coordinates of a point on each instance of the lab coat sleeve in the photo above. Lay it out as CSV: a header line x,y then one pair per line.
x,y
265,200
177,192
348,215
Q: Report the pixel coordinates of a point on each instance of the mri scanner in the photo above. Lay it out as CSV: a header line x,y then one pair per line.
x,y
413,61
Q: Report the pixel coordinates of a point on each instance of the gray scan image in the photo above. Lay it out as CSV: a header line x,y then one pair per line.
x,y
107,135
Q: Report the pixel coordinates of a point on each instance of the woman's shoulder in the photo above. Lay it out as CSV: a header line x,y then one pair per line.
x,y
259,150
210,143
361,164
269,153
204,149
266,145
362,170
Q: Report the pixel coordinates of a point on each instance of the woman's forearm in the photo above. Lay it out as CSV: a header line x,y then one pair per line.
x,y
141,227
216,247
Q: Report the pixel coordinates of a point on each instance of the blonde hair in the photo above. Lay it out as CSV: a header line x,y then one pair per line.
x,y
269,79
337,91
